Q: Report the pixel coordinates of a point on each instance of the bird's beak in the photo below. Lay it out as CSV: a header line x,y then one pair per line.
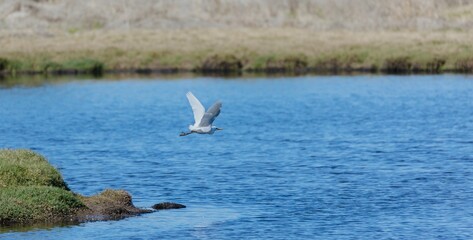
x,y
218,128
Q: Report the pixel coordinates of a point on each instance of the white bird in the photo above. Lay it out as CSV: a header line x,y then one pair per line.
x,y
203,120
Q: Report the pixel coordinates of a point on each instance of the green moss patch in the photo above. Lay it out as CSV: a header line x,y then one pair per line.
x,y
33,191
84,65
27,168
36,203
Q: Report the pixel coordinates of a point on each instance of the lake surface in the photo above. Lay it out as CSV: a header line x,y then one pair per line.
x,y
316,157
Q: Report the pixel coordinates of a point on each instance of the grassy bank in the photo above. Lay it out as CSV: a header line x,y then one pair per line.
x,y
32,191
235,50
36,203
26,168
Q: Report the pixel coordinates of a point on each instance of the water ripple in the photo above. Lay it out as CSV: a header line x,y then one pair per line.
x,y
307,158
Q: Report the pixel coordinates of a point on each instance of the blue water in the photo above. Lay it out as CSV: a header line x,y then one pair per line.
x,y
324,157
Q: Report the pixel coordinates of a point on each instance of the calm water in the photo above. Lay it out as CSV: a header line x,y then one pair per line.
x,y
364,157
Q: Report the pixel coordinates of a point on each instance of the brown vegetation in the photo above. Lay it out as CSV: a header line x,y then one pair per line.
x,y
326,15
464,65
108,205
235,50
144,36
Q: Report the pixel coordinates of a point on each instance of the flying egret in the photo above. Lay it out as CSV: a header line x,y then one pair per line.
x,y
203,120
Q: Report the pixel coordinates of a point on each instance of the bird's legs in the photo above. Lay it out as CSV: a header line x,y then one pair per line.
x,y
184,134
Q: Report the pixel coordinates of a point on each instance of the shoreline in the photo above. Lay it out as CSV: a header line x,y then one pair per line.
x,y
226,72
274,50
37,79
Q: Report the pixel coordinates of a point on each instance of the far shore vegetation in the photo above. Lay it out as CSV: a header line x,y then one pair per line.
x,y
235,50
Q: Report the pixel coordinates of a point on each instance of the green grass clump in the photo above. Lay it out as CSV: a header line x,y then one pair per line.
x,y
32,190
27,168
84,65
36,203
50,66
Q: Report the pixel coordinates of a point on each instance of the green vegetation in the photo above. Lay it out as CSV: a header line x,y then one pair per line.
x,y
25,204
47,66
27,168
83,65
31,189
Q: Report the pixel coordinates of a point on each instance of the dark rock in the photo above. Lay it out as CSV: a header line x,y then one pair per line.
x,y
167,205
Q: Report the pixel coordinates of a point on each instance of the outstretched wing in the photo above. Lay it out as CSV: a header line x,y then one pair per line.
x,y
197,107
210,115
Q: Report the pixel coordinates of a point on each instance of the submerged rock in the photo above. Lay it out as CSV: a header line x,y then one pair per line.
x,y
167,205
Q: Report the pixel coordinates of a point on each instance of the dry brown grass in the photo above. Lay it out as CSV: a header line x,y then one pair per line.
x,y
253,48
359,15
